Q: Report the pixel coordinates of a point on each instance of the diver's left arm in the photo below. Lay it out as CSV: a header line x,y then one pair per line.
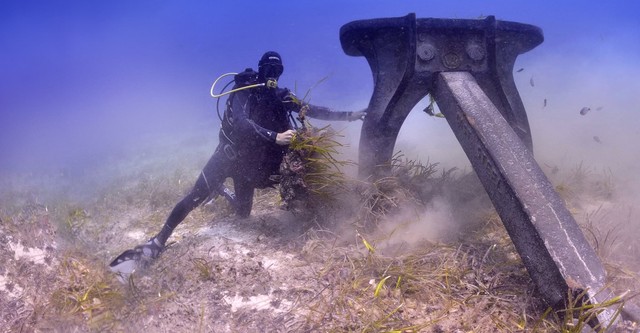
x,y
324,113
321,112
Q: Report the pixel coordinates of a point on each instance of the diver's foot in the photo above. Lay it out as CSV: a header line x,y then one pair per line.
x,y
139,256
150,249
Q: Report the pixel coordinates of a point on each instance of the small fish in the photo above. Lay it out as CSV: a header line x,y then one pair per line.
x,y
520,70
554,169
531,82
439,115
596,139
545,103
585,110
429,110
599,108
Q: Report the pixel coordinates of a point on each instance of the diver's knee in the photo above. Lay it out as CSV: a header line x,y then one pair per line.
x,y
193,200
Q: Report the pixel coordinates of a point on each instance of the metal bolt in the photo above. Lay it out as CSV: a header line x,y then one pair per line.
x,y
426,52
475,51
451,60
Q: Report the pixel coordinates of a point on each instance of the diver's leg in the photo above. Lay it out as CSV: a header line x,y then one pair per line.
x,y
210,179
155,245
192,200
244,196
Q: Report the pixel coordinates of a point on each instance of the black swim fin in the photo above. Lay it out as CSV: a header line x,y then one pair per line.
x,y
137,258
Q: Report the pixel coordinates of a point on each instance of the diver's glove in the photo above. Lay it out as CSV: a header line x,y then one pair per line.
x,y
289,97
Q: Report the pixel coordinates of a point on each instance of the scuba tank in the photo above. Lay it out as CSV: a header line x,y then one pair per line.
x,y
245,78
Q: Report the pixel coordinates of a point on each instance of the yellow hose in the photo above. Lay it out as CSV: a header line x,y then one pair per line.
x,y
233,90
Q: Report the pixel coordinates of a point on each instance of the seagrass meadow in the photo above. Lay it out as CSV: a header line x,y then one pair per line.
x,y
107,116
421,250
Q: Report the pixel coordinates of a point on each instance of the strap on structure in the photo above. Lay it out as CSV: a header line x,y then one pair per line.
x,y
293,122
218,101
231,153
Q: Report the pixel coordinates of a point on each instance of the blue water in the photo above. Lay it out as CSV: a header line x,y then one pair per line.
x,y
83,84
81,79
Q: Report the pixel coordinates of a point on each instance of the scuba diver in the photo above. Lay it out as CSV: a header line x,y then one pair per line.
x,y
256,130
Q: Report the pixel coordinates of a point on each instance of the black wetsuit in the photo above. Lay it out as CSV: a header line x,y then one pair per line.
x,y
247,151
